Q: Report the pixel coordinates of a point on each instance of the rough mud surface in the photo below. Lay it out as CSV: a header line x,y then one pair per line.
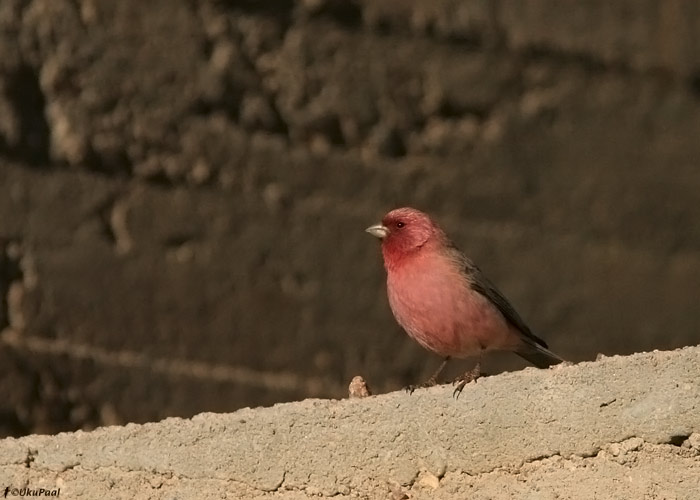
x,y
620,428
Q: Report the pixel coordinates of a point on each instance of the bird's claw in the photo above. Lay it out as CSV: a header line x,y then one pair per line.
x,y
458,389
461,381
428,383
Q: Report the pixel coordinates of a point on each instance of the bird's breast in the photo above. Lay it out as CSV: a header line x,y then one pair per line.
x,y
433,301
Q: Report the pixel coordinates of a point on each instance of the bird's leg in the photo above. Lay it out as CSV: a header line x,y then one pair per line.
x,y
466,377
432,380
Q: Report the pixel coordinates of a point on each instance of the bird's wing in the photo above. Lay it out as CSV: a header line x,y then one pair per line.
x,y
482,285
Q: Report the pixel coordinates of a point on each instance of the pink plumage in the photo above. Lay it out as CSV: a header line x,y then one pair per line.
x,y
442,299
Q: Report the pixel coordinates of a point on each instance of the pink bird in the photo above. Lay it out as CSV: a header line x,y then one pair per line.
x,y
443,300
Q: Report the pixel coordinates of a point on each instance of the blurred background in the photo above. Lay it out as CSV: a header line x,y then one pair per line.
x,y
184,186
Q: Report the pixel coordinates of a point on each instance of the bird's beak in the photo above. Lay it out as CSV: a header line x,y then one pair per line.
x,y
378,230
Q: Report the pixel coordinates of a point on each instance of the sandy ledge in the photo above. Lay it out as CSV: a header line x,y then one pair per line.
x,y
619,428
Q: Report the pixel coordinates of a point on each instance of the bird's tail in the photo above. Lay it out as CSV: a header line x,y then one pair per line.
x,y
537,354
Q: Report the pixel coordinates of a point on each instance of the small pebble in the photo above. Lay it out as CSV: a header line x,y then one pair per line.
x,y
358,388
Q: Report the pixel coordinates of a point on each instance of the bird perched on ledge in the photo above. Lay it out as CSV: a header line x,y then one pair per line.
x,y
444,302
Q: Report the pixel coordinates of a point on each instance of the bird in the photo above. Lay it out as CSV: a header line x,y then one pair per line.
x,y
443,300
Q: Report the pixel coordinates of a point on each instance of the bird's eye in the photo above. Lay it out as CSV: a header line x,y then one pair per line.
x,y
400,225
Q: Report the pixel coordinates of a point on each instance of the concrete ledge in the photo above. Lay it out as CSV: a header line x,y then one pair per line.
x,y
623,427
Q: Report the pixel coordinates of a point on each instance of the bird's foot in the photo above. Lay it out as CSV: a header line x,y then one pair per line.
x,y
428,383
468,376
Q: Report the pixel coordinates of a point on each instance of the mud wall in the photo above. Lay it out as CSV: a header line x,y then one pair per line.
x,y
184,185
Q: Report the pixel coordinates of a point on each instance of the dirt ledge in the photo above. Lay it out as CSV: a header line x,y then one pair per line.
x,y
622,427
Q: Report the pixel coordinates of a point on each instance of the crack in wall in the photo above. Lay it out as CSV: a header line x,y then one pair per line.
x,y
28,101
31,457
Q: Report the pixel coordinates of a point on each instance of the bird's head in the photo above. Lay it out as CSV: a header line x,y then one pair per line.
x,y
404,231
